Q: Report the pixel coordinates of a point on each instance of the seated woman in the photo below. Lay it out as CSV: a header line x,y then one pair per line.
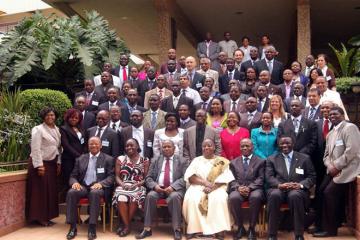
x,y
216,118
264,138
130,171
205,206
170,132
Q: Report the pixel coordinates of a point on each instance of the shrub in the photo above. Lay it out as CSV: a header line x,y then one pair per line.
x,y
343,85
36,99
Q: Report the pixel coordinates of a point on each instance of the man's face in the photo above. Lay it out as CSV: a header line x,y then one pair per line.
x,y
151,73
298,89
115,114
269,54
200,117
80,103
251,104
184,82
208,36
254,53
204,64
230,64
161,82
89,86
295,67
171,65
261,92
172,54
134,73
168,149
321,84
102,118
325,109
209,82
295,108
233,82
238,56
285,145
182,61
105,78
288,75
335,117
246,147
190,63
132,96
227,36
245,42
184,112
264,77
124,60
250,73
136,119
234,93
154,102
94,145
112,94
107,67
310,60
204,93
222,57
175,87
313,98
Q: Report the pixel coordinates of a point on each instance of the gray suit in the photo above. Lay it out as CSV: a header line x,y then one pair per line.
x,y
188,124
104,176
190,141
214,50
174,200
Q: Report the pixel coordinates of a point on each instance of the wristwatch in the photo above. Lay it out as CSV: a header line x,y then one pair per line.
x,y
301,186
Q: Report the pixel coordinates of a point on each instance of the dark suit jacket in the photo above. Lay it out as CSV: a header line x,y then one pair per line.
x,y
306,139
276,172
167,104
115,71
287,103
198,79
164,69
109,137
101,93
72,146
134,82
106,105
125,113
144,87
126,133
265,108
199,105
188,124
276,75
224,80
283,90
106,179
245,65
95,101
179,167
240,107
214,50
89,120
255,123
253,178
317,114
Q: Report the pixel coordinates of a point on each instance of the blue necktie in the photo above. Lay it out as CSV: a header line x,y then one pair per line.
x,y
90,176
153,120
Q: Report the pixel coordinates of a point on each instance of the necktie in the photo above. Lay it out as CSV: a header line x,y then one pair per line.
x,y
111,105
204,105
167,173
270,66
99,132
184,92
190,76
233,109
288,159
312,113
153,120
124,74
246,163
151,83
250,118
90,175
230,75
161,94
175,102
88,99
259,107
326,128
296,125
114,126
171,78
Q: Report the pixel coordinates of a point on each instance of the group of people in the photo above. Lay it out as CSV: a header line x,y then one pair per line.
x,y
206,140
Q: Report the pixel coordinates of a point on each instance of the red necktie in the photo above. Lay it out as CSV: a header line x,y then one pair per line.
x,y
124,74
326,128
167,173
88,99
160,94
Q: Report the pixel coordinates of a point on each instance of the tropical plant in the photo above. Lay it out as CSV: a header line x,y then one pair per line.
x,y
355,41
344,84
54,50
345,60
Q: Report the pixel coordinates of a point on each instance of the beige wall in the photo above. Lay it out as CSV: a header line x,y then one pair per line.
x,y
184,47
12,18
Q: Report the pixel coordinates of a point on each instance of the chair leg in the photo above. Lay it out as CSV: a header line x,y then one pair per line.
x,y
111,217
78,214
104,220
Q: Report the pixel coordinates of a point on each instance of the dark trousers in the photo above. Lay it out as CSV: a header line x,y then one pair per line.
x,y
297,201
331,196
174,201
72,200
255,199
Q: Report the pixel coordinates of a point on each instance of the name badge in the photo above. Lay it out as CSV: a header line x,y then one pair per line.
x,y
95,103
339,143
149,144
82,141
100,170
328,78
299,171
198,85
105,143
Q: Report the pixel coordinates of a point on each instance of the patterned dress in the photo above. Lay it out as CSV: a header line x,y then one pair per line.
x,y
131,173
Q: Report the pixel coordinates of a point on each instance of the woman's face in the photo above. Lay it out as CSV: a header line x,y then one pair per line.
x,y
147,64
232,120
275,104
216,106
171,123
131,147
314,75
74,120
321,62
208,148
50,118
266,119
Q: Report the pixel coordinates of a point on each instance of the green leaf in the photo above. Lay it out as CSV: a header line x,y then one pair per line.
x,y
49,56
84,53
355,41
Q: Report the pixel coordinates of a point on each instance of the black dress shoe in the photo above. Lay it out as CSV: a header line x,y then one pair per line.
x,y
272,238
144,234
72,233
299,237
323,234
177,235
252,234
240,232
92,235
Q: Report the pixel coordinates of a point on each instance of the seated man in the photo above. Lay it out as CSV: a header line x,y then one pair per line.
x,y
165,180
290,175
248,186
93,172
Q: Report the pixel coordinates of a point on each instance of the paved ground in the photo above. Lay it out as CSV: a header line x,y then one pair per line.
x,y
60,229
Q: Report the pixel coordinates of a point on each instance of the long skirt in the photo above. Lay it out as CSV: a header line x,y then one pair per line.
x,y
42,193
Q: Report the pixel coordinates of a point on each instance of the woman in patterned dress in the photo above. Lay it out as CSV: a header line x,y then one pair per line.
x,y
130,193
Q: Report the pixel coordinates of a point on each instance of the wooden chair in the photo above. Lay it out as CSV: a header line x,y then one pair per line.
x,y
261,227
84,202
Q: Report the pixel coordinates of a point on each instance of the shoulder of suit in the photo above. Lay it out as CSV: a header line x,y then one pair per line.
x,y
106,156
301,156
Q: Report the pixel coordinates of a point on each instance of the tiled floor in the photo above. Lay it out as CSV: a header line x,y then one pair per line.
x,y
163,231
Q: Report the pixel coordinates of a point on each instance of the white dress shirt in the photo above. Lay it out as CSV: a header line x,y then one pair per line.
x,y
193,94
102,130
138,134
117,125
116,81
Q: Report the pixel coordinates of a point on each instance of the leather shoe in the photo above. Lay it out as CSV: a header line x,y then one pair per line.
x,y
72,233
323,234
92,235
252,234
299,237
177,235
272,238
240,232
144,234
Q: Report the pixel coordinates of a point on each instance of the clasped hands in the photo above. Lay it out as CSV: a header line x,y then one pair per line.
x,y
41,170
289,186
166,191
244,191
333,171
78,187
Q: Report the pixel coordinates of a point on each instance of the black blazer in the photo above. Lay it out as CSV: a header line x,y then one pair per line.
x,y
253,178
197,81
144,87
95,101
276,172
115,71
125,113
110,141
255,123
283,90
167,104
106,105
126,133
224,80
102,93
199,105
277,72
287,103
265,108
72,146
245,65
106,179
306,139
89,120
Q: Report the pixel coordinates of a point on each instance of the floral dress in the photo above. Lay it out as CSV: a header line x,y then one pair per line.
x,y
131,173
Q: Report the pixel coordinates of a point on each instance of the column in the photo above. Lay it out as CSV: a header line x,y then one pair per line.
x,y
164,29
303,30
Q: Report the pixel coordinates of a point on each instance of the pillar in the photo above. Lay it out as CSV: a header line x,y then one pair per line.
x,y
303,30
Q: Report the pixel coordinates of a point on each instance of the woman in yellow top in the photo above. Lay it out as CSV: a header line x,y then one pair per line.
x,y
217,116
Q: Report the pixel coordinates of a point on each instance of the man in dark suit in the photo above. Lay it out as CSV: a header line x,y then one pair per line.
x,y
91,98
313,111
172,103
115,123
92,174
113,96
132,105
235,103
290,175
171,73
251,118
123,70
208,48
164,69
287,87
89,119
101,90
184,114
264,79
262,98
298,90
273,66
165,180
249,171
148,84
109,137
302,130
144,136
231,73
196,79
251,62
205,99
133,78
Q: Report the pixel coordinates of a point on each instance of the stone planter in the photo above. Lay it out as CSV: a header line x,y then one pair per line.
x,y
12,201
